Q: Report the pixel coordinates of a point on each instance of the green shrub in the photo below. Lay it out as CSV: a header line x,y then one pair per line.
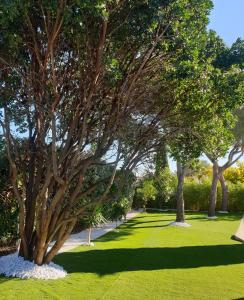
x,y
116,210
8,220
145,194
8,205
236,197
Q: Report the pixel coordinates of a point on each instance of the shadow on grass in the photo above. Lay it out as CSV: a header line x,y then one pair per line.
x,y
4,279
128,228
221,217
110,261
190,216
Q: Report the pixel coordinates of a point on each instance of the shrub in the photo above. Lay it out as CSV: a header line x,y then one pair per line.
x,y
144,194
8,219
8,205
236,197
116,210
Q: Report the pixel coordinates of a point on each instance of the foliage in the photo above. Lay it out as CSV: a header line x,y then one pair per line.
x,y
8,219
94,217
8,205
162,178
4,166
81,80
235,174
118,209
165,184
144,193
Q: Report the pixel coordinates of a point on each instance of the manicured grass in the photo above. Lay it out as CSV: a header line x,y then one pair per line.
x,y
145,259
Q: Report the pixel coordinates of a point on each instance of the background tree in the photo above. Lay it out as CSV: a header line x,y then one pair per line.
x,y
162,180
230,85
93,219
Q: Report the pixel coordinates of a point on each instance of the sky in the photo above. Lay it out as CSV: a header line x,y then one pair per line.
x,y
227,19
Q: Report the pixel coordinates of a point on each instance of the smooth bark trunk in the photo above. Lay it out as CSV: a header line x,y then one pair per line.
x,y
89,236
225,193
213,194
180,205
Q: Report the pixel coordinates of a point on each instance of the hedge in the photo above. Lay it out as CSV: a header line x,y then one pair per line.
x,y
196,196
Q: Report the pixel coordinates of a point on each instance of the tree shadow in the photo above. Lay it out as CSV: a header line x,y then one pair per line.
x,y
222,217
127,229
131,224
110,261
4,279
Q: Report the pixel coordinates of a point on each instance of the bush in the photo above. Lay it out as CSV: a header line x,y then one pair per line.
x,y
8,219
144,194
8,205
116,210
236,197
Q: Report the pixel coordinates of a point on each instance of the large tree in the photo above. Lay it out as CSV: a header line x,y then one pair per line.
x,y
75,75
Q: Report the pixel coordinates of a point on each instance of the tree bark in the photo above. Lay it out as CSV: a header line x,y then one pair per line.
x,y
225,193
180,205
89,236
213,194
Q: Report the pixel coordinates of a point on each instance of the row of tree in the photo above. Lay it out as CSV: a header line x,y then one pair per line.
x,y
88,84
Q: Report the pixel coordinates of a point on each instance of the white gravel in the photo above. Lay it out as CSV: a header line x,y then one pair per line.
x,y
13,265
180,224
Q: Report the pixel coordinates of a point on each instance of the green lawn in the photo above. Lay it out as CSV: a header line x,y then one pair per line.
x,y
146,259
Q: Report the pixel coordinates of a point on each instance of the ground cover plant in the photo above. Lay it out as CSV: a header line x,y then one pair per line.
x,y
146,259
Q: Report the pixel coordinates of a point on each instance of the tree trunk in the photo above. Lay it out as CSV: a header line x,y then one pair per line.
x,y
180,212
213,194
225,193
89,236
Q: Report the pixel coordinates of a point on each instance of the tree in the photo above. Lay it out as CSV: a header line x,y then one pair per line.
x,y
218,171
75,75
230,62
93,219
239,137
185,149
162,178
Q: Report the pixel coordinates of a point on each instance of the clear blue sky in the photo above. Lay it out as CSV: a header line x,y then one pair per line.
x,y
227,19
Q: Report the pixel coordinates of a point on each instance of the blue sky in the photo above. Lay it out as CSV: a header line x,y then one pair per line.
x,y
227,19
